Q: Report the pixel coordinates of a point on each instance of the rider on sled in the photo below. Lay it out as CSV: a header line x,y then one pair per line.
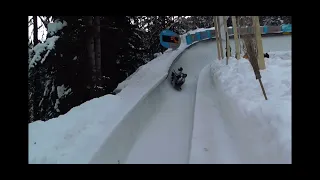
x,y
178,78
180,72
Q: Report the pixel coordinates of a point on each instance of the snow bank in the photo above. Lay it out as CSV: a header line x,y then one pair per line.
x,y
280,55
75,136
262,128
56,26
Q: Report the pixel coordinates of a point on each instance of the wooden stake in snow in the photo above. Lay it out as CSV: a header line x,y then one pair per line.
x,y
220,40
257,32
217,36
238,24
235,34
263,91
227,38
250,48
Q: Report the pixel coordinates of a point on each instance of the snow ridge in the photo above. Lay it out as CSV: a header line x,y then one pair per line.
x,y
262,128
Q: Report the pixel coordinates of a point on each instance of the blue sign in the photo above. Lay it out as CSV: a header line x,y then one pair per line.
x,y
170,39
286,28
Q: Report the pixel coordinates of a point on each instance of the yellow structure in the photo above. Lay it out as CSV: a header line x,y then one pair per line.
x,y
220,38
227,36
236,38
217,36
257,32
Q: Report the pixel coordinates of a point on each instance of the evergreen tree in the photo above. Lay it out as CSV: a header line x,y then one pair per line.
x,y
63,76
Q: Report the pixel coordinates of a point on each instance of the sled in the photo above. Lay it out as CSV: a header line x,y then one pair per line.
x,y
177,82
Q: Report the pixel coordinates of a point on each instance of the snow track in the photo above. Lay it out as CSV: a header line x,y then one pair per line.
x,y
211,140
170,136
166,138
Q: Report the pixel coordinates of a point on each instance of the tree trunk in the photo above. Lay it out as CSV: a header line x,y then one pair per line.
x,y
97,47
163,24
163,20
45,22
35,31
90,51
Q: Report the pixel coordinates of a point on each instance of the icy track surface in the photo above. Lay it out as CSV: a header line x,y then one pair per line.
x,y
166,138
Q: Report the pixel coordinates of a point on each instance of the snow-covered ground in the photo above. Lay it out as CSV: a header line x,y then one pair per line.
x,y
233,122
75,136
137,125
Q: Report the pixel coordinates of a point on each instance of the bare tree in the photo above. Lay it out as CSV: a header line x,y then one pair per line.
x,y
90,50
30,22
97,47
35,30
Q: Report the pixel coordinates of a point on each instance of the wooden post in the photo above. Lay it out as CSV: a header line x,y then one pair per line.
x,y
220,39
235,35
256,24
227,37
263,91
217,37
238,24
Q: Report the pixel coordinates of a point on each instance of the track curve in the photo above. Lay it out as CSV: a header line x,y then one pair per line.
x,y
166,136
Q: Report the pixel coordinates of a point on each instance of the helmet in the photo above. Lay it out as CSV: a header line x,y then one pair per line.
x,y
180,69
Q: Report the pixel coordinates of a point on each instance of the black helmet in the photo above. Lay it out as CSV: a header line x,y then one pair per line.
x,y
180,69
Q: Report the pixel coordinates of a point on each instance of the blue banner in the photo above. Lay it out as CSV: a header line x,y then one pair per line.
x,y
286,28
